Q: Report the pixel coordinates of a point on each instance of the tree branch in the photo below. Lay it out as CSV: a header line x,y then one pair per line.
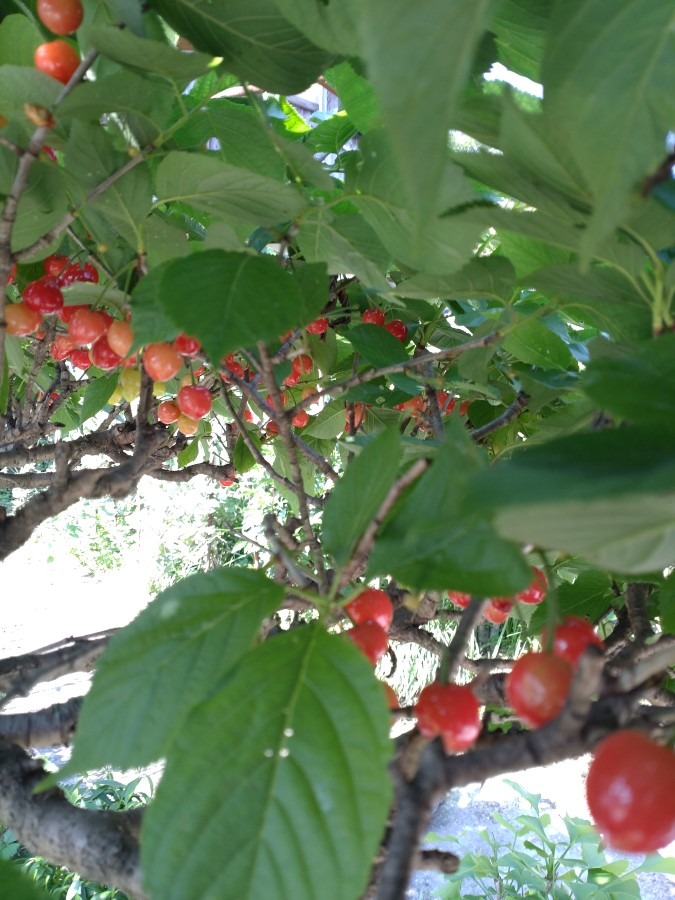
x,y
44,728
20,674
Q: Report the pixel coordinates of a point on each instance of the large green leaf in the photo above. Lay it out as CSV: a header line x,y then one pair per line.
x,y
436,40
42,205
376,345
590,596
608,78
146,55
166,662
21,84
636,382
532,342
607,496
359,494
356,94
298,738
209,184
490,277
17,885
520,28
431,543
254,39
126,204
329,25
19,38
227,300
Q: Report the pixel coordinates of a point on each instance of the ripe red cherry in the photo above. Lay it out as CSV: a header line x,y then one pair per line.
x,y
75,272
80,358
67,313
371,605
537,687
300,419
572,637
161,361
370,638
460,599
373,317
120,337
55,265
188,346
226,482
399,329
318,326
21,319
87,325
630,790
57,59
451,711
103,356
168,412
60,16
446,403
536,591
194,401
302,364
44,295
497,610
61,347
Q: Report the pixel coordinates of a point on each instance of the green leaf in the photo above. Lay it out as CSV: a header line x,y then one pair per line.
x,y
188,454
242,458
356,96
211,185
590,596
329,25
96,395
520,28
227,300
347,244
376,345
635,382
19,38
255,41
430,543
667,605
359,494
124,47
14,884
126,204
42,205
436,41
532,342
145,105
166,662
487,277
330,135
605,496
608,77
299,739
328,424
21,84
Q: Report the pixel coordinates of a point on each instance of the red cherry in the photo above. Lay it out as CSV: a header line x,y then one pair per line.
x,y
44,295
11,275
413,407
54,265
302,364
21,319
318,326
168,412
451,711
87,325
446,403
399,329
67,313
120,337
226,482
162,362
80,358
460,599
572,637
272,429
300,419
57,59
464,407
75,272
292,379
373,317
371,605
61,347
370,638
188,346
194,401
631,792
60,16
537,687
536,591
497,610
103,356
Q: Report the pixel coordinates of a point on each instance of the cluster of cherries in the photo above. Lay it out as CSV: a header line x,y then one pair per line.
x,y
58,58
372,613
498,609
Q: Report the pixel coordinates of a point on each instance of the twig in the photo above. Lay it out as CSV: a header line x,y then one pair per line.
x,y
636,595
454,655
659,658
510,413
20,674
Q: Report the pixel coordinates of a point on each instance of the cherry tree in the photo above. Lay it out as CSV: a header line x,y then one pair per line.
x,y
438,321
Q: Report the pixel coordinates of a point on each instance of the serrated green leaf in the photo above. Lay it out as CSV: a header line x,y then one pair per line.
x,y
635,382
242,299
42,205
520,29
608,78
304,723
356,94
255,41
17,885
358,495
166,662
428,543
126,203
134,52
328,25
330,135
605,496
589,596
328,424
96,395
376,345
532,342
213,186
